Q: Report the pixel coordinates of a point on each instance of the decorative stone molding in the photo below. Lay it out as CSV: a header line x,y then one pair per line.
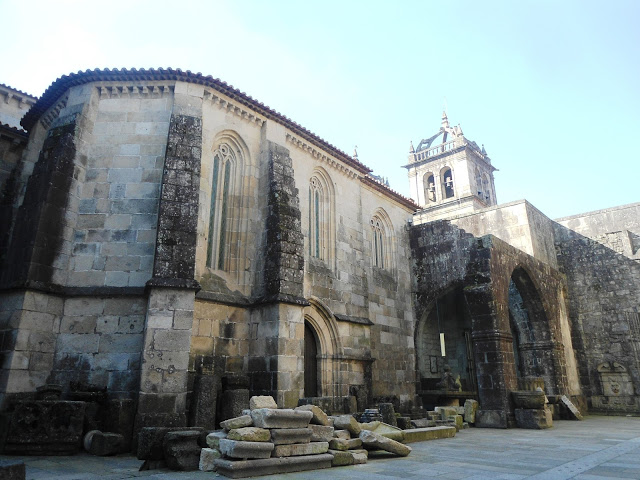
x,y
135,91
53,112
239,111
315,153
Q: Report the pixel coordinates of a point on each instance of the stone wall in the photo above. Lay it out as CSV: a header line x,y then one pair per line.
x,y
599,252
447,258
518,223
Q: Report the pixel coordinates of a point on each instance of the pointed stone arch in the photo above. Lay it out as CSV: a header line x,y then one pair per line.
x,y
226,223
383,241
319,318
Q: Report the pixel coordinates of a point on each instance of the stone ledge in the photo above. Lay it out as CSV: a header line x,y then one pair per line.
x,y
270,466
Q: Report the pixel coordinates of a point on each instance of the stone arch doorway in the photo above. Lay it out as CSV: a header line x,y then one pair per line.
x,y
447,321
532,340
321,336
311,374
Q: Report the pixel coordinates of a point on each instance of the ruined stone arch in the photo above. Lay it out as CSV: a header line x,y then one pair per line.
x,y
322,217
226,226
533,342
319,318
447,314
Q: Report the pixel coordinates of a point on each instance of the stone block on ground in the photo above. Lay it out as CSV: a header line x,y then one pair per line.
x,y
249,434
372,440
251,468
208,456
389,431
457,421
298,449
423,423
262,401
536,419
371,426
286,436
319,417
359,456
45,428
574,413
150,441
341,458
245,450
341,434
232,403
237,422
342,445
181,450
470,408
429,433
203,404
213,439
347,422
403,422
282,418
320,433
12,470
103,443
446,412
388,413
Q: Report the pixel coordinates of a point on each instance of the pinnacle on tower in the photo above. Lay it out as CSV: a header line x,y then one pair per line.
x,y
445,121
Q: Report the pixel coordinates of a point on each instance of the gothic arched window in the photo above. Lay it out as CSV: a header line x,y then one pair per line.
x,y
222,185
321,217
379,246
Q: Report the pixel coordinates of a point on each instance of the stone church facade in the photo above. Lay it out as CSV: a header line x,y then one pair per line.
x,y
160,226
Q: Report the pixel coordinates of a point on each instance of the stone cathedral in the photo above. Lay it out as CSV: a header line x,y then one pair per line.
x,y
162,231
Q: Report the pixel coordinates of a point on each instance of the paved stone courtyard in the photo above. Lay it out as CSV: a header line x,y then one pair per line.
x,y
597,448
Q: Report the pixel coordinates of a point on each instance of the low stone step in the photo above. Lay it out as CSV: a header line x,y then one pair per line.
x,y
429,433
270,466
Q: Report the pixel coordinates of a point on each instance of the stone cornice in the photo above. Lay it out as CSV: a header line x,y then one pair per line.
x,y
8,93
224,103
401,199
126,90
50,115
329,160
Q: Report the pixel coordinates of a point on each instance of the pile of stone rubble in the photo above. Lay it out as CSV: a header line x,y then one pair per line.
x,y
267,440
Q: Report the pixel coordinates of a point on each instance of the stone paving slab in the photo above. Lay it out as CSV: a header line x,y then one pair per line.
x,y
597,448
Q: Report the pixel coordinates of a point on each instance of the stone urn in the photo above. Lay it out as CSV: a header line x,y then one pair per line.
x,y
530,400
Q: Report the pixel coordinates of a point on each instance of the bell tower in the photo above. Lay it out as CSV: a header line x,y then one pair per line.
x,y
449,174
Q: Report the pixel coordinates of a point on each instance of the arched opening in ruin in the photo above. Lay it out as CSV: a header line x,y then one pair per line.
x,y
532,343
444,349
311,373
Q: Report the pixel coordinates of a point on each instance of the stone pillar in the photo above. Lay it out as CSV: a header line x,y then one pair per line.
x,y
171,290
277,368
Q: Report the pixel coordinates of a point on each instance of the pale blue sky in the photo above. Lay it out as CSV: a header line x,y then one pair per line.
x,y
550,88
